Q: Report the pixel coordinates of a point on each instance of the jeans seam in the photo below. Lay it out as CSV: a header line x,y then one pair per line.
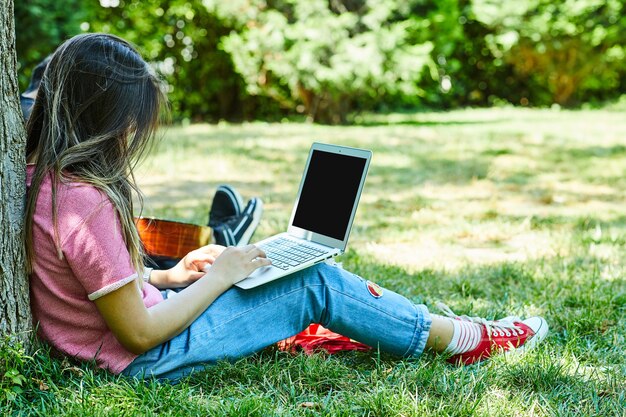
x,y
250,309
414,340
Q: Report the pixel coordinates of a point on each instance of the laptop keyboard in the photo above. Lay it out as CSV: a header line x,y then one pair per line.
x,y
286,253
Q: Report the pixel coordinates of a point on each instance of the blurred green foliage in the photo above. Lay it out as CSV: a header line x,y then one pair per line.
x,y
41,25
326,59
181,37
568,51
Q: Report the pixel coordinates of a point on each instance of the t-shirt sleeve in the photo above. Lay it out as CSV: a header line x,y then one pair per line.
x,y
94,246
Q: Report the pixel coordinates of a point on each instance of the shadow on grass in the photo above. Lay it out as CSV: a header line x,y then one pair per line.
x,y
595,151
424,123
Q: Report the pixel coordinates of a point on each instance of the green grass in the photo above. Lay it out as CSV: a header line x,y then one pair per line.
x,y
494,212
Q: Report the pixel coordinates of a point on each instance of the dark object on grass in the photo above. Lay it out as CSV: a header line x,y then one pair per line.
x,y
27,98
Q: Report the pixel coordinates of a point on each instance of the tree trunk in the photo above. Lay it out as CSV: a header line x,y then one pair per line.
x,y
15,316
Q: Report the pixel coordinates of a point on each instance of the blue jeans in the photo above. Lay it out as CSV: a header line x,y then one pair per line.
x,y
241,322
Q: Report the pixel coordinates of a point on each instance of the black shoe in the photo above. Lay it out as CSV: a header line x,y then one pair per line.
x,y
227,204
238,230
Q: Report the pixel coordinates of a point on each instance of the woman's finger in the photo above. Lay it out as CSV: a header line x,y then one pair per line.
x,y
259,253
248,248
202,257
259,262
197,275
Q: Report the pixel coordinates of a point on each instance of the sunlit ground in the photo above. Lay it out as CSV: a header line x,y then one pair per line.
x,y
444,190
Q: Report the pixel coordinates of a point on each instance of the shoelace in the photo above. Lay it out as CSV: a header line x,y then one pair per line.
x,y
505,326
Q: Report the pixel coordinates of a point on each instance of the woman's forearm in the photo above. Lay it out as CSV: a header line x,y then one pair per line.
x,y
139,329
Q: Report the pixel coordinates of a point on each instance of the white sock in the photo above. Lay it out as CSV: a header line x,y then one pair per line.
x,y
466,336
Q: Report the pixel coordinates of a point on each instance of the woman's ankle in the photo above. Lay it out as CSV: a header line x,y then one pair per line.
x,y
441,332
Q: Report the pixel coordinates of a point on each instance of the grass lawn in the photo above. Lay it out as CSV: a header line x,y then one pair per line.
x,y
494,212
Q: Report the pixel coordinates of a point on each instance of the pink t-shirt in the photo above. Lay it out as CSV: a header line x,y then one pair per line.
x,y
95,262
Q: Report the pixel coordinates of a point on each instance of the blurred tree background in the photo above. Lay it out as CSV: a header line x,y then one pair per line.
x,y
330,59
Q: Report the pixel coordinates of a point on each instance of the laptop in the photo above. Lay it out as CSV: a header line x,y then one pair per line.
x,y
322,215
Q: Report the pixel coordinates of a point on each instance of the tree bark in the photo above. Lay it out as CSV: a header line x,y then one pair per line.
x,y
15,316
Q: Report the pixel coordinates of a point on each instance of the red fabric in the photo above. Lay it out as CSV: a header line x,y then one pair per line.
x,y
316,337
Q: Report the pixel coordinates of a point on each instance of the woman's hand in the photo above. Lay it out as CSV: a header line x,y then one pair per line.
x,y
236,263
187,270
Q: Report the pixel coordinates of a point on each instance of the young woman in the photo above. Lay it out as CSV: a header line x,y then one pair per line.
x,y
94,116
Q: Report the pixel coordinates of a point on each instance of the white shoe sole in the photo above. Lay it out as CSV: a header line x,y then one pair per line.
x,y
540,327
256,218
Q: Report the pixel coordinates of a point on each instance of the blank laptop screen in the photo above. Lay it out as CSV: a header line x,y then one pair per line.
x,y
329,193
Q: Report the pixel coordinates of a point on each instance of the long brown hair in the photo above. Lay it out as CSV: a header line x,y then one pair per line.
x,y
95,116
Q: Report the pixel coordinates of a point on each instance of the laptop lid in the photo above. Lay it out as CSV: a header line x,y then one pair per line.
x,y
329,193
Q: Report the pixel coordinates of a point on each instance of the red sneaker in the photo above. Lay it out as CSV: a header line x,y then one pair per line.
x,y
498,336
